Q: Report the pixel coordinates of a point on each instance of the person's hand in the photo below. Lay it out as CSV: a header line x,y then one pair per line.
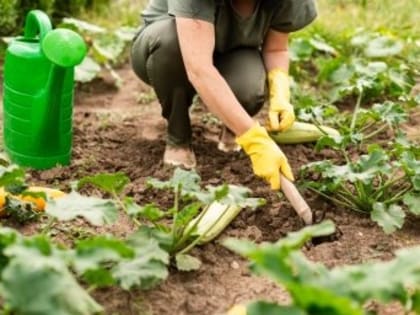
x,y
281,115
268,161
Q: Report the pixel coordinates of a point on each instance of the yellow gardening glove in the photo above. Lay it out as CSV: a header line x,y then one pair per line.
x,y
266,157
281,115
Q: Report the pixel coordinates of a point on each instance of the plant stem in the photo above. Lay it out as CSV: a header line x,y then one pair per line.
x,y
399,195
174,231
360,191
319,126
356,110
345,155
349,198
334,200
119,201
374,133
349,193
365,128
124,208
50,223
187,233
91,288
392,181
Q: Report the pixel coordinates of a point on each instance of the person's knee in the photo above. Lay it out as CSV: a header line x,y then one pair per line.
x,y
245,73
157,42
165,45
250,91
251,100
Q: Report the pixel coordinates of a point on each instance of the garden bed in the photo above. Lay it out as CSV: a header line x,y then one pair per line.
x,y
115,133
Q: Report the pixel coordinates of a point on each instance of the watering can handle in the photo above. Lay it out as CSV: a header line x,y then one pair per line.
x,y
37,22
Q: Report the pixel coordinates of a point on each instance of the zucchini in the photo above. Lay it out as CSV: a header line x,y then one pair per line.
x,y
213,221
302,132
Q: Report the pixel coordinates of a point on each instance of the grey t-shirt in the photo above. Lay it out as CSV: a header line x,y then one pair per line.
x,y
233,30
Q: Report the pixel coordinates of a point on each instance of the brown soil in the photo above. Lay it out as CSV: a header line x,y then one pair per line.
x,y
113,132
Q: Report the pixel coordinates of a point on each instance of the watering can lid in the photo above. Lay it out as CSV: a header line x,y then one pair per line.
x,y
64,47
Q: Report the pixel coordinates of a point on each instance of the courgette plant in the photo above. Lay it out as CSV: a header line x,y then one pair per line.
x,y
54,271
382,183
316,290
196,216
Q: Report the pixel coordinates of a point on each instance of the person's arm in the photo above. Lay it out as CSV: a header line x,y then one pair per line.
x,y
197,42
276,59
276,51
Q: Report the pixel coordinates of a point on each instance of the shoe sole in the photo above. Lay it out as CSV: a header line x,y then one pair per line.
x,y
227,148
179,164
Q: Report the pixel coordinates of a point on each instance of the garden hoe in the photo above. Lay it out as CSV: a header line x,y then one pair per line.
x,y
295,198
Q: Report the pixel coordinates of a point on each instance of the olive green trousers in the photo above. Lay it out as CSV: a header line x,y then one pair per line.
x,y
156,59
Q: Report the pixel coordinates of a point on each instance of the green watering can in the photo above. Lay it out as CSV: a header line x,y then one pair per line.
x,y
38,93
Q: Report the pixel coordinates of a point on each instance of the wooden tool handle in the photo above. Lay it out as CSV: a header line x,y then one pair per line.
x,y
297,201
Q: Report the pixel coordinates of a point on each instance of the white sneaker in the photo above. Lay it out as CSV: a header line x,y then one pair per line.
x,y
182,156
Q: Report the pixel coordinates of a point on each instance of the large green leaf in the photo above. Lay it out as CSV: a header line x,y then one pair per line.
x,y
410,164
36,282
83,26
126,33
266,308
11,175
272,259
108,182
295,240
146,269
375,161
412,201
416,182
342,290
94,210
188,181
88,70
368,71
411,167
319,301
149,212
301,49
383,47
341,173
93,258
239,196
187,262
390,112
383,281
107,48
389,218
230,195
163,237
320,45
7,237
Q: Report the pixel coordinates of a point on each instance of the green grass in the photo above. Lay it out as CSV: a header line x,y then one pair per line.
x,y
339,20
399,18
118,13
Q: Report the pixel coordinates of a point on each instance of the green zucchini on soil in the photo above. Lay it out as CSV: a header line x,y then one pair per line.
x,y
302,132
215,219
